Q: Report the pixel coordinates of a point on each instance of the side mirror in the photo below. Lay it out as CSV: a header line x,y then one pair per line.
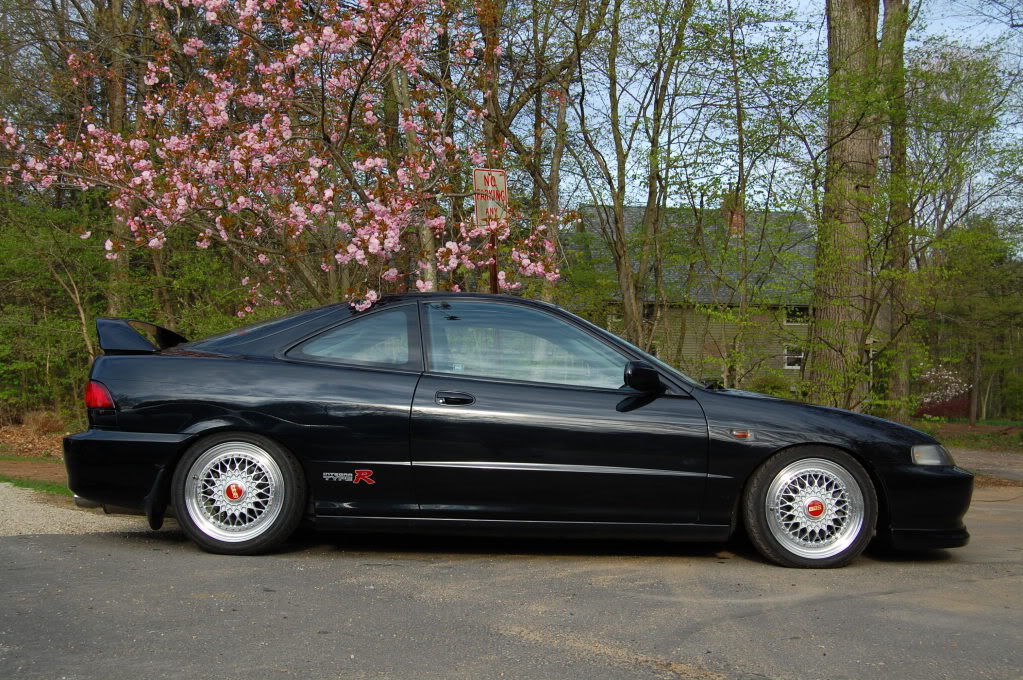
x,y
639,375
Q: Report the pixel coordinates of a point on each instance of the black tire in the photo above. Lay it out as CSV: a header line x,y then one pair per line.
x,y
238,493
811,507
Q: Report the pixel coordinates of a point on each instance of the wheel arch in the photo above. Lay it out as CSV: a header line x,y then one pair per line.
x,y
158,500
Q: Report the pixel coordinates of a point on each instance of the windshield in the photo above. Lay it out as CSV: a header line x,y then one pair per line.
x,y
667,368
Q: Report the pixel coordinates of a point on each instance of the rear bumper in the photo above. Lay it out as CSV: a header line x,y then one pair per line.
x,y
109,467
927,505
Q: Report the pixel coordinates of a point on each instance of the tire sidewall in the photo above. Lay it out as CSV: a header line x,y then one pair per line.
x,y
278,531
755,513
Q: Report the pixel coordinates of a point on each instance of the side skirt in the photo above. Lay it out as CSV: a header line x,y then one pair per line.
x,y
527,528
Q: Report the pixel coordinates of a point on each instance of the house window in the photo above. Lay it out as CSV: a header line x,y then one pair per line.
x,y
793,358
797,316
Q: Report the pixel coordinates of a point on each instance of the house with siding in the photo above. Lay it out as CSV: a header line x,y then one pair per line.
x,y
730,299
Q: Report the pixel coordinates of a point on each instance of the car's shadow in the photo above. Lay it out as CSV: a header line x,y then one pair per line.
x,y
476,546
308,540
882,552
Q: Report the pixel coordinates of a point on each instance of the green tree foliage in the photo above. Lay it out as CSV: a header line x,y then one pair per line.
x,y
711,120
45,349
977,324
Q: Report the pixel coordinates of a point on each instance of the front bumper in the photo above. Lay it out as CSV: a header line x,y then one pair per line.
x,y
925,539
926,506
110,467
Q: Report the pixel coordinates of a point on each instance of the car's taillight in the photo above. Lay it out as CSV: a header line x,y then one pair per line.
x,y
98,396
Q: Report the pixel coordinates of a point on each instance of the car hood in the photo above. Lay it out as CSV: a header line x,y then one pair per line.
x,y
731,403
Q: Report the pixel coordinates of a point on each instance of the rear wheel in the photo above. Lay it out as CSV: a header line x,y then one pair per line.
x,y
238,493
811,507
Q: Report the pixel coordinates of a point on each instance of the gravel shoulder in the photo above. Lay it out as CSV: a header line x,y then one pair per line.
x,y
27,512
1003,465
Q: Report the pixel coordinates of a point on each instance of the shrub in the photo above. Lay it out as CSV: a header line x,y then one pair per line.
x,y
44,422
774,385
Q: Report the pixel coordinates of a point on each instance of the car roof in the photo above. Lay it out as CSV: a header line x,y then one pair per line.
x,y
408,297
266,337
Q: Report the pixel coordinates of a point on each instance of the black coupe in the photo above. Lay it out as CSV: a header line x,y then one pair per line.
x,y
474,413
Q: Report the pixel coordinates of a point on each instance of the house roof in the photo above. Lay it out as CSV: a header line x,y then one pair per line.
x,y
705,262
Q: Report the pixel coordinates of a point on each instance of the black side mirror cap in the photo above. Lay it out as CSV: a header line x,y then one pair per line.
x,y
639,375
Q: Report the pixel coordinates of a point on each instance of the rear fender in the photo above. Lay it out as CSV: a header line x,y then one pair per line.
x,y
158,498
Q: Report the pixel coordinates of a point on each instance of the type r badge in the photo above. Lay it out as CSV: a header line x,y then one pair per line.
x,y
354,478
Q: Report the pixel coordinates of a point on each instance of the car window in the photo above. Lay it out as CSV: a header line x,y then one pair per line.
x,y
386,338
495,340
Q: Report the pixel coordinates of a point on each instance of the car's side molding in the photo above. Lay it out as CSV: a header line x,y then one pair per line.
x,y
529,528
553,467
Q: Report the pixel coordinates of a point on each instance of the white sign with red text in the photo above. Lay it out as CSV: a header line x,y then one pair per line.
x,y
490,188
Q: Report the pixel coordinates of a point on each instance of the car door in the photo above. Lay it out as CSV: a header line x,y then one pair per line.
x,y
522,414
352,388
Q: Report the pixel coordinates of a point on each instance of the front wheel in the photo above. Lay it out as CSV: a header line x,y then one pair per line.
x,y
812,507
238,494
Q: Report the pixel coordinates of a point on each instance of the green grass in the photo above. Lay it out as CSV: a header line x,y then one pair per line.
x,y
1006,423
45,487
31,459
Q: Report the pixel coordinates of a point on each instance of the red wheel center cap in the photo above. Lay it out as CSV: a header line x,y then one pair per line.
x,y
234,491
814,508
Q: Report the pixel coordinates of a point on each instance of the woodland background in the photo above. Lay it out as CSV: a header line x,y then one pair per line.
x,y
893,133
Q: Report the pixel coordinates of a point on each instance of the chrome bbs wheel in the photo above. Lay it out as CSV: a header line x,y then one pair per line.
x,y
811,507
234,491
814,508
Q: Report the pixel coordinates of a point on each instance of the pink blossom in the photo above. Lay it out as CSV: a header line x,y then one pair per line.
x,y
366,302
263,179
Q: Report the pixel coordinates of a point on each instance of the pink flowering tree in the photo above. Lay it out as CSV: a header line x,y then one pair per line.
x,y
303,138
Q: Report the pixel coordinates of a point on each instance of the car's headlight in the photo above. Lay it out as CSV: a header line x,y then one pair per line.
x,y
931,454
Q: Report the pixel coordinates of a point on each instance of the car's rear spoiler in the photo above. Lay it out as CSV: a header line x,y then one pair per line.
x,y
128,336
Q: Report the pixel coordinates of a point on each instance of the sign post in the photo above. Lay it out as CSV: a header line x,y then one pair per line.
x,y
490,188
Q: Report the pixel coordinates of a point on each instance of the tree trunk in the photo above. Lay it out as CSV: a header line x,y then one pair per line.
x,y
986,399
160,289
896,23
975,388
427,246
837,370
735,205
117,292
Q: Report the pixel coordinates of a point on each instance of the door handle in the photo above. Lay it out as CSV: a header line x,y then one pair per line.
x,y
454,398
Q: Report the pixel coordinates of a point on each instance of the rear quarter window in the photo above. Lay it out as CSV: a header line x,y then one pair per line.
x,y
385,339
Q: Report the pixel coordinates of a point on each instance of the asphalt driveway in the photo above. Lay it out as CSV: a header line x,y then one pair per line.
x,y
132,603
